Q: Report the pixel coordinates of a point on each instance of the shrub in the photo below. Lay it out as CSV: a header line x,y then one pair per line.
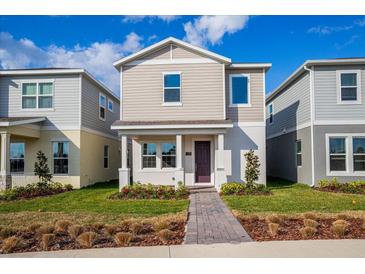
x,y
74,231
62,225
235,188
136,228
342,216
45,229
41,168
123,238
310,215
308,231
46,240
340,222
110,229
86,239
33,227
9,244
354,187
7,232
252,170
125,225
165,235
149,191
310,223
232,188
160,225
273,229
339,227
274,219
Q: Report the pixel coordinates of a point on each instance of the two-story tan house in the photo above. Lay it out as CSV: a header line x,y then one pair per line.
x,y
67,114
189,115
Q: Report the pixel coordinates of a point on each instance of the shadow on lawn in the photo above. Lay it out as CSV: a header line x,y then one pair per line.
x,y
278,183
103,185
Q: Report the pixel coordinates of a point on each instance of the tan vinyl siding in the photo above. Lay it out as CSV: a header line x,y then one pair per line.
x,y
163,53
178,52
254,113
90,109
66,99
201,92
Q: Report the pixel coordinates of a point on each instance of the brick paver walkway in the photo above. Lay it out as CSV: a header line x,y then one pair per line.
x,y
210,221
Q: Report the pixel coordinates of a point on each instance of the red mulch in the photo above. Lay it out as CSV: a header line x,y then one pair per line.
x,y
289,229
30,241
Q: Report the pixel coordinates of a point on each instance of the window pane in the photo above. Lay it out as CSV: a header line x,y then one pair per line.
x,y
106,151
270,109
338,162
172,95
169,161
30,89
168,149
16,165
106,162
110,105
348,79
60,149
239,90
45,102
45,88
29,102
102,100
348,94
149,162
172,80
299,146
337,145
17,150
149,149
299,159
271,118
102,112
359,162
60,166
359,145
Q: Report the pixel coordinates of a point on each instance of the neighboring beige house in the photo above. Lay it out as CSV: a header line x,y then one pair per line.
x,y
189,115
67,114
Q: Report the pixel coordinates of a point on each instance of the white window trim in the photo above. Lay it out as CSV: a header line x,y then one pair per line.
x,y
163,89
105,107
158,167
111,101
68,157
358,87
248,104
10,158
298,153
107,156
37,95
349,155
158,162
272,113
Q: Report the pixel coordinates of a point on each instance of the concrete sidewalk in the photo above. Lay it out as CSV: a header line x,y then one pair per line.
x,y
274,249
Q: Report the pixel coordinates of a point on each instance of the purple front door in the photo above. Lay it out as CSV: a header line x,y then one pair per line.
x,y
202,162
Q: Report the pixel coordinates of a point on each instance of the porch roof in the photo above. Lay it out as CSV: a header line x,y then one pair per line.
x,y
172,124
14,121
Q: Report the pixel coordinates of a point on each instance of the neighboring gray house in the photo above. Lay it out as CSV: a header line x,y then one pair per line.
x,y
315,122
67,114
190,115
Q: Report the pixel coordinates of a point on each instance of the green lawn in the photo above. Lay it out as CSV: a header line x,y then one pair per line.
x,y
295,198
88,203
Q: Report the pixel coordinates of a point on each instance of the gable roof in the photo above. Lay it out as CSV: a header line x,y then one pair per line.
x,y
167,41
301,69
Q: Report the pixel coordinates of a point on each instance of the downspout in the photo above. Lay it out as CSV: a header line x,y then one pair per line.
x,y
311,99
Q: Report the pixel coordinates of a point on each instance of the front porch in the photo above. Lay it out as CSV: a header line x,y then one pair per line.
x,y
163,154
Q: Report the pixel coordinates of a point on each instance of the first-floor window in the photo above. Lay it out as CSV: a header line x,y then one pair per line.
x,y
17,151
149,152
358,144
337,153
298,148
106,156
60,157
168,155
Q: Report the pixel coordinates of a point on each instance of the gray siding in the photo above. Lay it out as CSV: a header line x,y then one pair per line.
x,y
281,156
90,108
66,99
254,113
325,94
291,106
320,149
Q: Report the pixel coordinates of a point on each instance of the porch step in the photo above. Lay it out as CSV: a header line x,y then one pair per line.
x,y
199,189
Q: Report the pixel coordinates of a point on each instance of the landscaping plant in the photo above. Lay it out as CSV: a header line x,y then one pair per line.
x,y
47,240
308,231
165,235
310,223
123,238
86,239
332,185
252,170
41,168
235,188
74,231
9,244
273,229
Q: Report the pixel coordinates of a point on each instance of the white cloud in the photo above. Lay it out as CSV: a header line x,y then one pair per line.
x,y
139,18
97,58
211,29
324,30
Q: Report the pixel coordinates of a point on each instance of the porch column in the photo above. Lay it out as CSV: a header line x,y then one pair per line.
x,y
124,174
220,171
5,177
179,174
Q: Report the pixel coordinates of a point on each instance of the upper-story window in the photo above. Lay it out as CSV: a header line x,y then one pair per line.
x,y
239,89
172,88
110,105
349,88
37,95
102,106
271,113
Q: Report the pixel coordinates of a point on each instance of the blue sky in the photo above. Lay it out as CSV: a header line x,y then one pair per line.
x,y
94,42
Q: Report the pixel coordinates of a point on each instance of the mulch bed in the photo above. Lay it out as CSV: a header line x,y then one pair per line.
x,y
289,229
338,190
30,241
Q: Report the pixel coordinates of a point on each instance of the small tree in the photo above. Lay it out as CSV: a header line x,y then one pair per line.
x,y
252,171
41,168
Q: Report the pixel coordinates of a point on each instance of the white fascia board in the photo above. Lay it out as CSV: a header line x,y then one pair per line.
x,y
173,126
166,41
21,122
101,85
251,65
